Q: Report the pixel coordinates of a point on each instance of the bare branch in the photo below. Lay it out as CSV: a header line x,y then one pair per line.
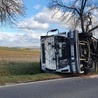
x,y
81,11
93,28
9,10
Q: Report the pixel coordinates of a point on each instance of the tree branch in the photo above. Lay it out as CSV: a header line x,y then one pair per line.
x,y
93,29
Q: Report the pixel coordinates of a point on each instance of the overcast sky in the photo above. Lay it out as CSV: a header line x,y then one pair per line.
x,y
37,21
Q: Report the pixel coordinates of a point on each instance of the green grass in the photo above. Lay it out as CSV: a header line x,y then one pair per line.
x,y
13,79
25,69
22,72
16,72
19,68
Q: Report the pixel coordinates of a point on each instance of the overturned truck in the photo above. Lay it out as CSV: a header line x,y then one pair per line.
x,y
71,52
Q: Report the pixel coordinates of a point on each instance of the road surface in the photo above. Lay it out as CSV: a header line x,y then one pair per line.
x,y
82,87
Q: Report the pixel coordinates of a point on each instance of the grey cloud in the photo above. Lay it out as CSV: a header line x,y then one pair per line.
x,y
32,24
20,40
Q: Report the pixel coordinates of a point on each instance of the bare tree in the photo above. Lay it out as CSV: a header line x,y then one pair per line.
x,y
84,13
10,9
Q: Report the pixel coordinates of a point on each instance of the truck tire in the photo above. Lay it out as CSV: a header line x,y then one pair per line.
x,y
92,69
85,35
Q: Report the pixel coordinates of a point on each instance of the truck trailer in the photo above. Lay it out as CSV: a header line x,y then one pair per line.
x,y
70,52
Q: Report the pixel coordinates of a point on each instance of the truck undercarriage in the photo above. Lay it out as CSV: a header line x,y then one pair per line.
x,y
70,52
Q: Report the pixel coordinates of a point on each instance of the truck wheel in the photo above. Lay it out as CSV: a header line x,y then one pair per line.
x,y
85,35
91,69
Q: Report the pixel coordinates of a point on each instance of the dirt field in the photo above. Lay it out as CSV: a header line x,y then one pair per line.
x,y
19,55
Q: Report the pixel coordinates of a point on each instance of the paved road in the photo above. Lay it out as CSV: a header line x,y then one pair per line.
x,y
82,87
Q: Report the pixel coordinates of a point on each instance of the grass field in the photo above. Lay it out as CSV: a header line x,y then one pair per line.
x,y
19,55
21,65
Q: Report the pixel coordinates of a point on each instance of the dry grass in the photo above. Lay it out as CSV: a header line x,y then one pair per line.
x,y
19,55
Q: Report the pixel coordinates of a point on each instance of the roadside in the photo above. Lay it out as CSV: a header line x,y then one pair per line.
x,y
14,79
24,72
18,79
